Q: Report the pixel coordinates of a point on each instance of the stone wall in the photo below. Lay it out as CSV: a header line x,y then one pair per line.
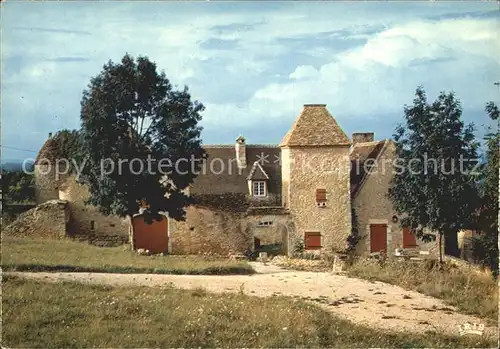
x,y
307,169
224,230
47,220
275,227
209,231
45,183
87,223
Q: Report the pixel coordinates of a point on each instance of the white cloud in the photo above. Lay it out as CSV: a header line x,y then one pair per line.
x,y
304,72
380,76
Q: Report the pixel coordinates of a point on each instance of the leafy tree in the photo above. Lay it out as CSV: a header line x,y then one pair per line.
x,y
136,131
485,246
68,143
434,188
17,187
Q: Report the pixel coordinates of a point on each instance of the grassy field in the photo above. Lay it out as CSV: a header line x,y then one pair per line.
x,y
49,315
22,254
471,293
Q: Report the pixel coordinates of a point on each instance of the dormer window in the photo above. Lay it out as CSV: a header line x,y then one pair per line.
x,y
259,188
257,181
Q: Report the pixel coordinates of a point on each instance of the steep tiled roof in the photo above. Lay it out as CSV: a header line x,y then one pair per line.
x,y
315,126
257,172
360,153
226,177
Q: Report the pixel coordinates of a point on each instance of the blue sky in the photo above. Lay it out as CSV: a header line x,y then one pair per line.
x,y
252,64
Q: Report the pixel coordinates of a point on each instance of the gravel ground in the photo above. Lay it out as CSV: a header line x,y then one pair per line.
x,y
375,304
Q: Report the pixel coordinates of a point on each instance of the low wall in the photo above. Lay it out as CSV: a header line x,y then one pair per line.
x,y
48,220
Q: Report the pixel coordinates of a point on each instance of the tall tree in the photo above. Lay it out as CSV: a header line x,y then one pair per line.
x,y
141,140
485,246
434,187
67,144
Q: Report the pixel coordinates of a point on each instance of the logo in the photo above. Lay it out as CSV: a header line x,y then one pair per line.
x,y
471,328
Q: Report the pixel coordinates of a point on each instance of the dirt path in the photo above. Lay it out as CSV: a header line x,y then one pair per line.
x,y
376,304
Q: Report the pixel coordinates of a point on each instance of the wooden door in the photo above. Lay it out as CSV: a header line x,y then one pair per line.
x,y
378,237
152,237
409,239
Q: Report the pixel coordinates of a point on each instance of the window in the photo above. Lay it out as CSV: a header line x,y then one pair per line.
x,y
320,195
265,224
92,225
259,188
312,240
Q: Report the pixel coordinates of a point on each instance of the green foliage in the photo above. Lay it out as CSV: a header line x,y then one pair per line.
x,y
132,112
485,247
439,194
18,187
68,144
298,247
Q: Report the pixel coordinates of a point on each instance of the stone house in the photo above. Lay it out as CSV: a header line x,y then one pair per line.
x,y
252,197
377,221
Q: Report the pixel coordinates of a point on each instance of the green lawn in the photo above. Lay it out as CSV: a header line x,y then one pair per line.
x,y
50,315
23,254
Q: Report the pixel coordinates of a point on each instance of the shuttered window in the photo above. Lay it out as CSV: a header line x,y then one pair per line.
x,y
320,195
312,240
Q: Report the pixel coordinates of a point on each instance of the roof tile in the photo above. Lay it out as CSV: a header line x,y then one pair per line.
x,y
315,126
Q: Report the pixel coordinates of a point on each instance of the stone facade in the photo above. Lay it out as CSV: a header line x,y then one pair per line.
x,y
307,169
314,157
373,206
205,230
86,222
224,232
45,183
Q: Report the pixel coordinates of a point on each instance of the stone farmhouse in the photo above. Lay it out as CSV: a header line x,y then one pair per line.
x,y
250,197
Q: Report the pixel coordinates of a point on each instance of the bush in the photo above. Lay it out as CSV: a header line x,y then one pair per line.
x,y
298,247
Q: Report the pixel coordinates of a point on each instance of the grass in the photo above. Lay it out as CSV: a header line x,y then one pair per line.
x,y
470,292
64,315
25,254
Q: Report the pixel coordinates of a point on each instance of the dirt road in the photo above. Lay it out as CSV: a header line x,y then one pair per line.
x,y
376,304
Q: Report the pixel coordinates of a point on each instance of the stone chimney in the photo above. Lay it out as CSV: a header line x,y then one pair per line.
x,y
362,137
241,153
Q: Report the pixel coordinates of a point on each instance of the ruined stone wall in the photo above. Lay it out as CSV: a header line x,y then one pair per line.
x,y
86,222
47,220
314,168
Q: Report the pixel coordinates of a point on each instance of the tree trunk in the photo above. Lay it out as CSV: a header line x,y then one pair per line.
x,y
451,243
440,243
130,232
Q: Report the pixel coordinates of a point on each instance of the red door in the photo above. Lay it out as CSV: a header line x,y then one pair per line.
x,y
378,237
409,240
152,237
